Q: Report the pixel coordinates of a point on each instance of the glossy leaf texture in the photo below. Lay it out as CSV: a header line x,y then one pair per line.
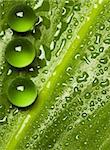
x,y
72,75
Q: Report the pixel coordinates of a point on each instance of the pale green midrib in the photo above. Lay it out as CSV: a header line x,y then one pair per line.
x,y
45,93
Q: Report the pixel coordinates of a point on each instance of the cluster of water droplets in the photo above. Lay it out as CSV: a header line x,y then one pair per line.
x,y
85,89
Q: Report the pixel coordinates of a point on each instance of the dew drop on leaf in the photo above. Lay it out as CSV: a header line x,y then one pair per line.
x,y
102,27
105,68
99,66
84,115
91,48
22,92
102,103
69,36
103,60
101,71
95,82
98,38
77,7
77,137
69,30
82,78
76,90
21,18
104,92
107,41
104,83
87,95
20,52
94,55
63,11
92,103
101,49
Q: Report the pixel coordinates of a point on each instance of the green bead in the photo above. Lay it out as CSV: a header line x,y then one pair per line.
x,y
21,18
22,92
20,52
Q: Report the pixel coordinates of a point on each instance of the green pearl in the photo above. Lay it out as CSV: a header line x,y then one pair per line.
x,y
21,18
22,92
20,52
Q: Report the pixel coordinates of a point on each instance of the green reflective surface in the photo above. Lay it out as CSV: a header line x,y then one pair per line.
x,y
20,52
21,18
22,92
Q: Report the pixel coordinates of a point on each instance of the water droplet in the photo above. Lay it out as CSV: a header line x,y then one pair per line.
x,y
69,36
99,99
35,137
101,71
91,48
21,18
102,103
82,18
82,78
27,145
105,68
94,55
76,90
107,41
22,92
108,96
103,60
68,69
101,49
95,82
42,79
87,95
99,66
76,23
3,119
85,143
64,11
69,30
98,38
70,127
84,115
66,144
102,27
104,92
17,56
77,56
104,83
77,137
77,7
92,103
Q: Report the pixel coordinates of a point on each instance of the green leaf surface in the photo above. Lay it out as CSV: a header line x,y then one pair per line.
x,y
72,75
